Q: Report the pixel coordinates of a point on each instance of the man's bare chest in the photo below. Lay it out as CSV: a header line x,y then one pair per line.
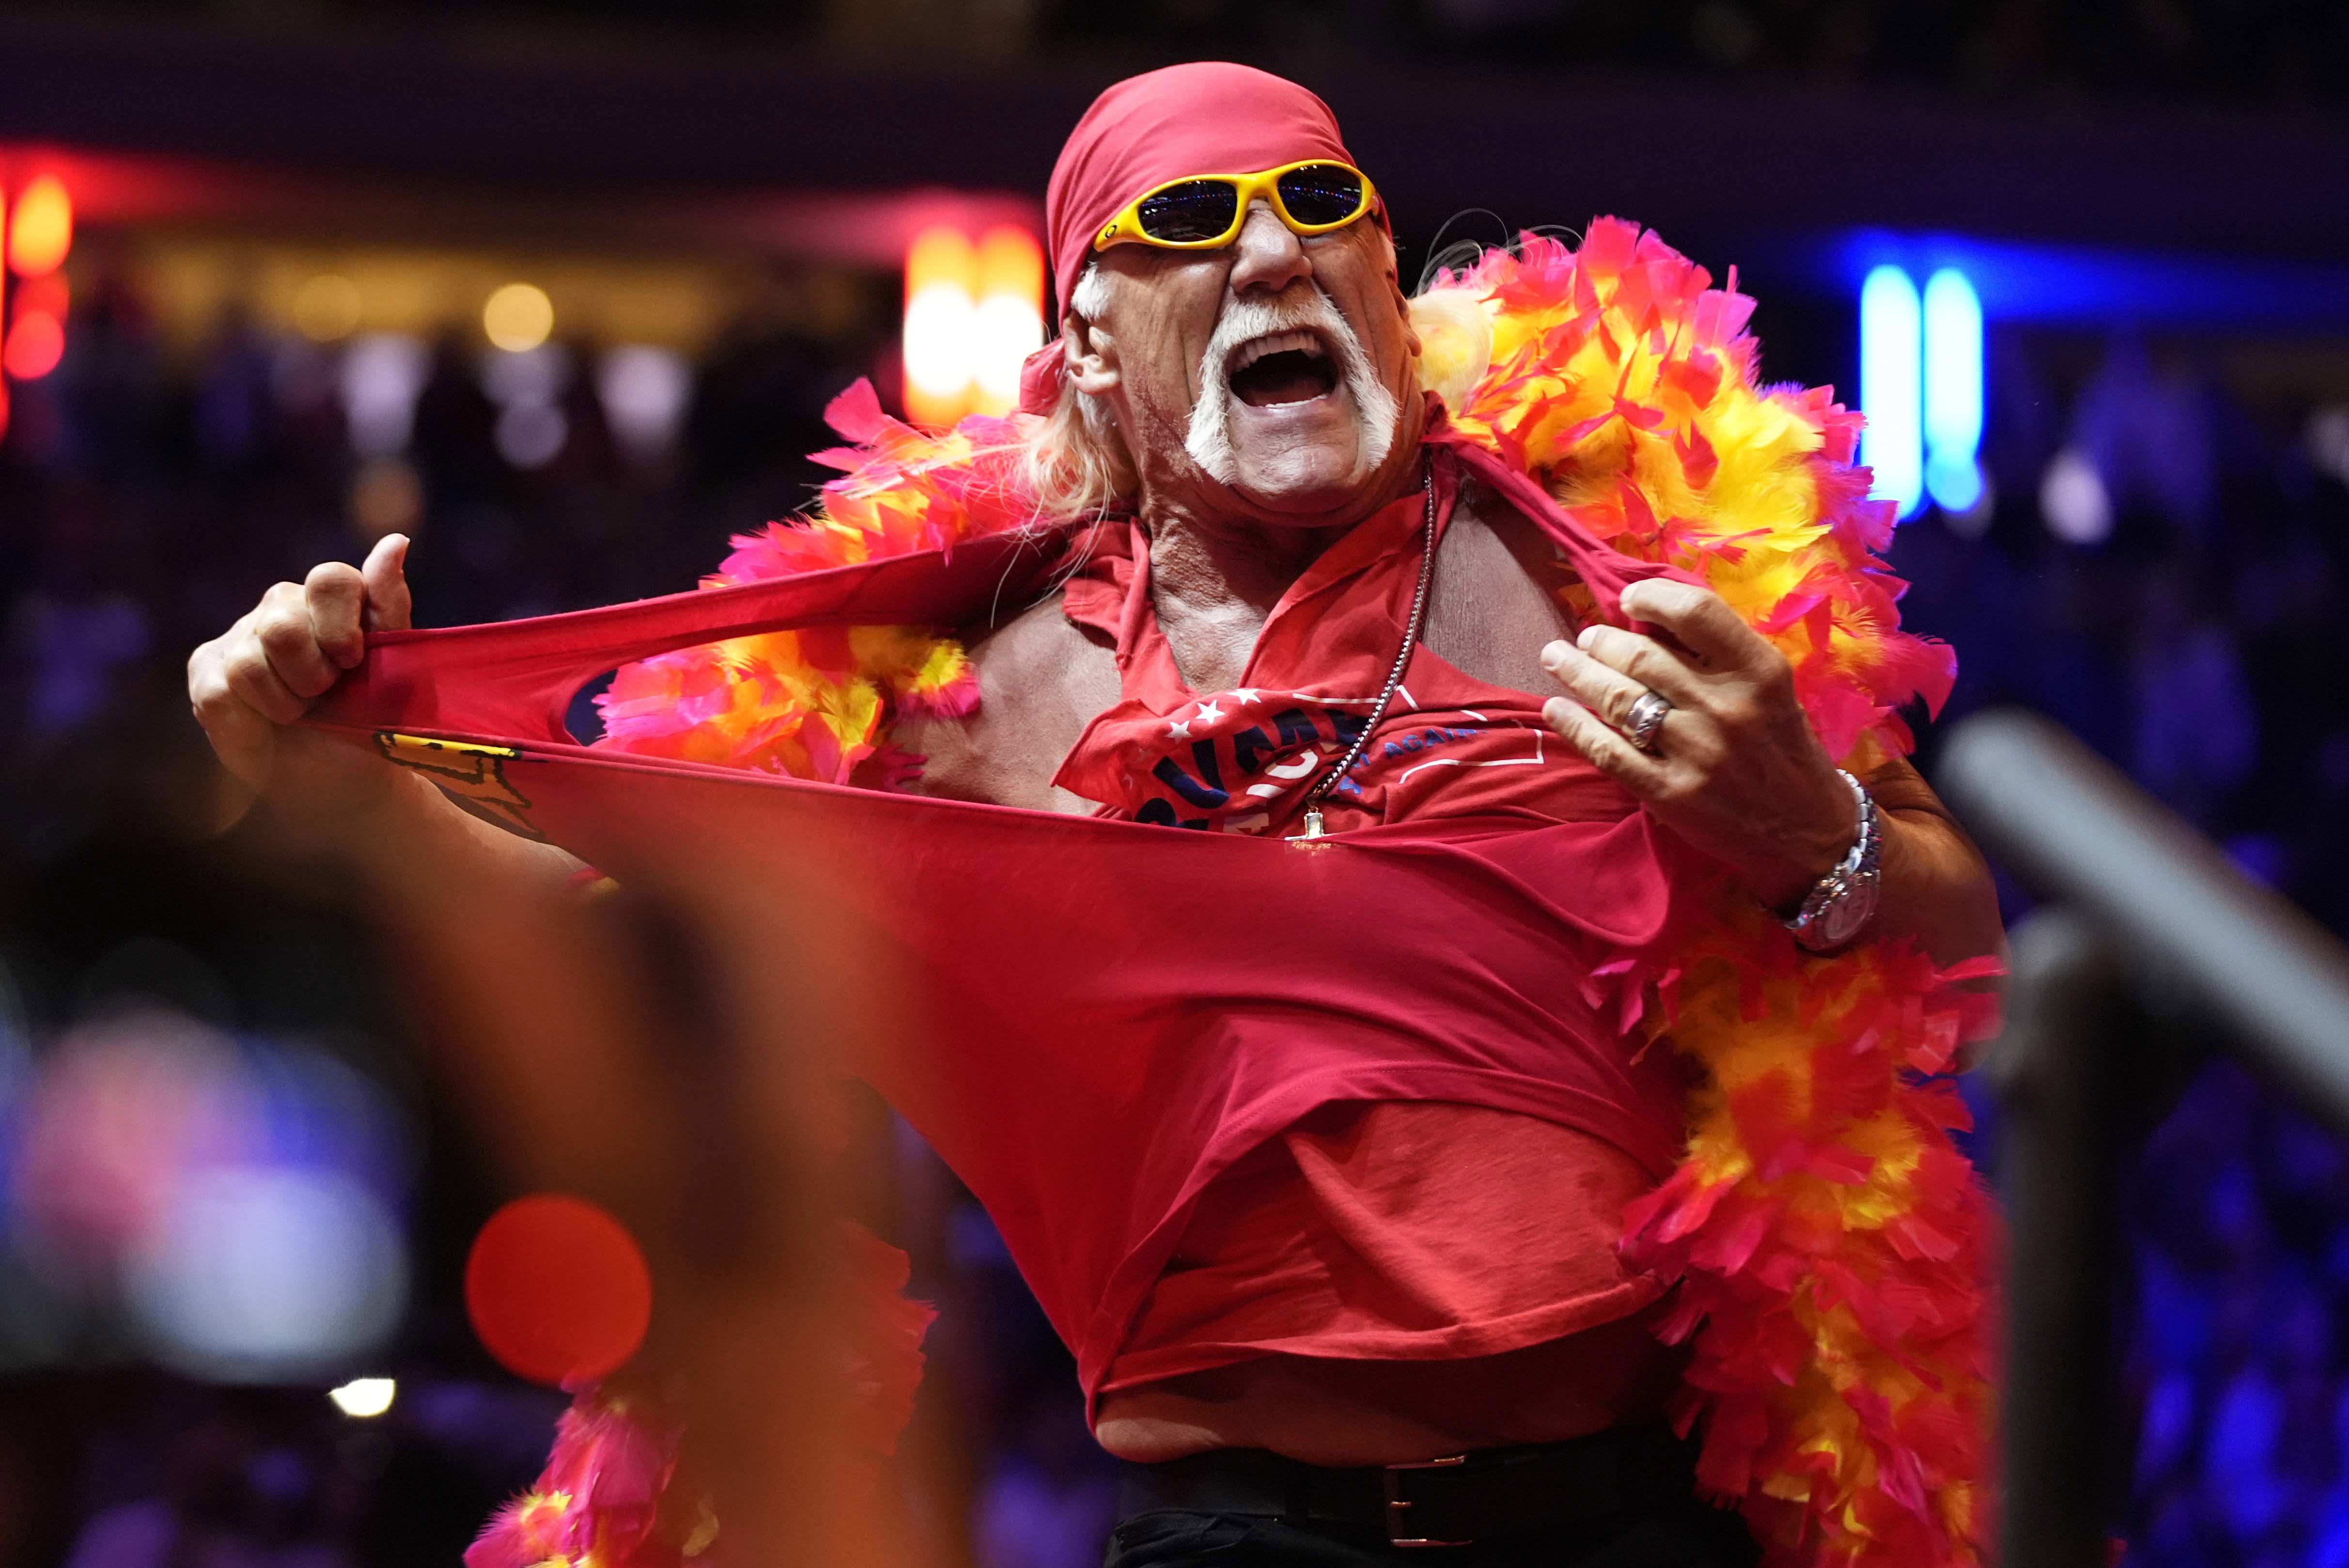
x,y
1492,607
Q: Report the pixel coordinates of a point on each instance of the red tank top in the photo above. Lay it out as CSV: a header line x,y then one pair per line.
x,y
1393,1231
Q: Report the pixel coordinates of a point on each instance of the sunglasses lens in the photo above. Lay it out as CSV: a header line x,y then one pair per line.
x,y
1321,193
1194,211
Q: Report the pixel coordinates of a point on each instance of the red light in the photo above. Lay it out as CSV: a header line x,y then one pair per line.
x,y
49,295
36,341
42,231
557,1289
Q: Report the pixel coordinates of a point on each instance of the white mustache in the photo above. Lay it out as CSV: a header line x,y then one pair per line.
x,y
1209,439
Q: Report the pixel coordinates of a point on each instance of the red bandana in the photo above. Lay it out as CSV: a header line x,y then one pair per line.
x,y
1207,117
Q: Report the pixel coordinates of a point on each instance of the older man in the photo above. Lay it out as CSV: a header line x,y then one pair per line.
x,y
1283,562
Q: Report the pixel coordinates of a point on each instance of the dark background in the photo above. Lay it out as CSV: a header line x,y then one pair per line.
x,y
2187,162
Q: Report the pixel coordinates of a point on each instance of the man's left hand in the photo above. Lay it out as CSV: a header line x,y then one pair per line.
x,y
1736,768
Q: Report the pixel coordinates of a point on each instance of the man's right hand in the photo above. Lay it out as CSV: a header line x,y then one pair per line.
x,y
250,685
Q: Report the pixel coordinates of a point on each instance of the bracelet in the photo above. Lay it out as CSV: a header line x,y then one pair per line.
x,y
1841,903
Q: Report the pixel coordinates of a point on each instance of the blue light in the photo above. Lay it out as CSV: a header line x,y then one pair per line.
x,y
1891,391
1953,390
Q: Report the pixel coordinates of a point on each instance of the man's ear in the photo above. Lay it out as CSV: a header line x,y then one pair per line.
x,y
1402,301
1402,305
1091,362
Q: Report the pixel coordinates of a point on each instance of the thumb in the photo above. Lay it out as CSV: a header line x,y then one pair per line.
x,y
385,578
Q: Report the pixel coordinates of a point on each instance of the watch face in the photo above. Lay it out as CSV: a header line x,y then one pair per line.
x,y
1848,914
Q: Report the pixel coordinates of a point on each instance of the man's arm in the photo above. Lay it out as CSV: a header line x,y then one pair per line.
x,y
250,685
1044,679
1739,772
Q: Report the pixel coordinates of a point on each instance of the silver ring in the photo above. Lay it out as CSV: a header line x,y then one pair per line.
x,y
1645,719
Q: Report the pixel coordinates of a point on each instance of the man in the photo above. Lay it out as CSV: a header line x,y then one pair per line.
x,y
1387,1281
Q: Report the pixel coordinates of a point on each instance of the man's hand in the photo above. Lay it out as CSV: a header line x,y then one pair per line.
x,y
257,678
1736,770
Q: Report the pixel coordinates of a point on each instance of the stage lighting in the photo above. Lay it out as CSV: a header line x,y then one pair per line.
x,y
36,341
518,317
326,308
973,314
1011,323
2073,500
40,230
941,327
1953,391
1891,392
364,1397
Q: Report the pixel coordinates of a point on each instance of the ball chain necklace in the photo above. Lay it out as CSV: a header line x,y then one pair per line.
x,y
1332,775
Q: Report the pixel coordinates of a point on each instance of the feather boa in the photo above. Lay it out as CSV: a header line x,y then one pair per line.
x,y
1830,1245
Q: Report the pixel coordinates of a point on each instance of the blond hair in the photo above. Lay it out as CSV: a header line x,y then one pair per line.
x,y
1076,466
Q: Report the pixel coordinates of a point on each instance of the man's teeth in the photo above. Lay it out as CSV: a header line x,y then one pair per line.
x,y
1256,349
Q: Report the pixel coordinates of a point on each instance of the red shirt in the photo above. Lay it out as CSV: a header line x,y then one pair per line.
x,y
1098,1020
1388,1231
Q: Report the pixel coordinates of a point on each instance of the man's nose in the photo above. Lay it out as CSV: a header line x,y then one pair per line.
x,y
1266,255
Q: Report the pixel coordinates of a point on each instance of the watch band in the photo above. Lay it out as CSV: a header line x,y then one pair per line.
x,y
1841,903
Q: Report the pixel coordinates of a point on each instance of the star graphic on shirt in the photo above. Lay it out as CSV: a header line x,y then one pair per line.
x,y
1247,695
1209,713
1178,729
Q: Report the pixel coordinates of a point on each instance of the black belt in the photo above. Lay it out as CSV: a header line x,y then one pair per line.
x,y
1489,1494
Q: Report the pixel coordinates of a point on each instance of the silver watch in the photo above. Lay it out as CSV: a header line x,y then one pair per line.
x,y
1841,903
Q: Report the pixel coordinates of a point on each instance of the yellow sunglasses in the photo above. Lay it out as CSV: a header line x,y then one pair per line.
x,y
1206,210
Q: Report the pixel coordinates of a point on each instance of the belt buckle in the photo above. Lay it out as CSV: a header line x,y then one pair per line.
x,y
1398,1505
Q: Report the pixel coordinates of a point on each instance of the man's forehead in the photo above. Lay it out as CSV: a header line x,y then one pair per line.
x,y
1207,117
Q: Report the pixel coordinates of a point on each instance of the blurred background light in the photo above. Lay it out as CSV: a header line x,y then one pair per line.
x,y
513,377
1891,348
644,388
233,1202
387,496
35,344
326,308
40,227
941,328
518,317
528,385
381,374
2328,440
122,1110
2073,499
1953,391
557,1289
973,314
364,1397
1010,325
261,1273
532,435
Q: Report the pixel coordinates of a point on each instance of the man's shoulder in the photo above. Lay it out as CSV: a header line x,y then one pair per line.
x,y
1042,678
1495,599
1037,639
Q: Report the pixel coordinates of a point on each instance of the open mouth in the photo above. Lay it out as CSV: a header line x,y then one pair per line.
x,y
1282,367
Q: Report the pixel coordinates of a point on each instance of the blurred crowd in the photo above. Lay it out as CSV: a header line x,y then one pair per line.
x,y
2161,565
2165,568
2262,50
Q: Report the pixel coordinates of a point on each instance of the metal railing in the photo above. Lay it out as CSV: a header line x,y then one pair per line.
x,y
2151,946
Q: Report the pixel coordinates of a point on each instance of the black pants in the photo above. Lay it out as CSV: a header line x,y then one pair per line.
x,y
1685,1535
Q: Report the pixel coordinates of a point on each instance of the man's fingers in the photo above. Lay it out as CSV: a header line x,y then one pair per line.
x,y
258,685
385,576
1609,752
336,595
242,740
1638,663
282,627
1605,691
1699,618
